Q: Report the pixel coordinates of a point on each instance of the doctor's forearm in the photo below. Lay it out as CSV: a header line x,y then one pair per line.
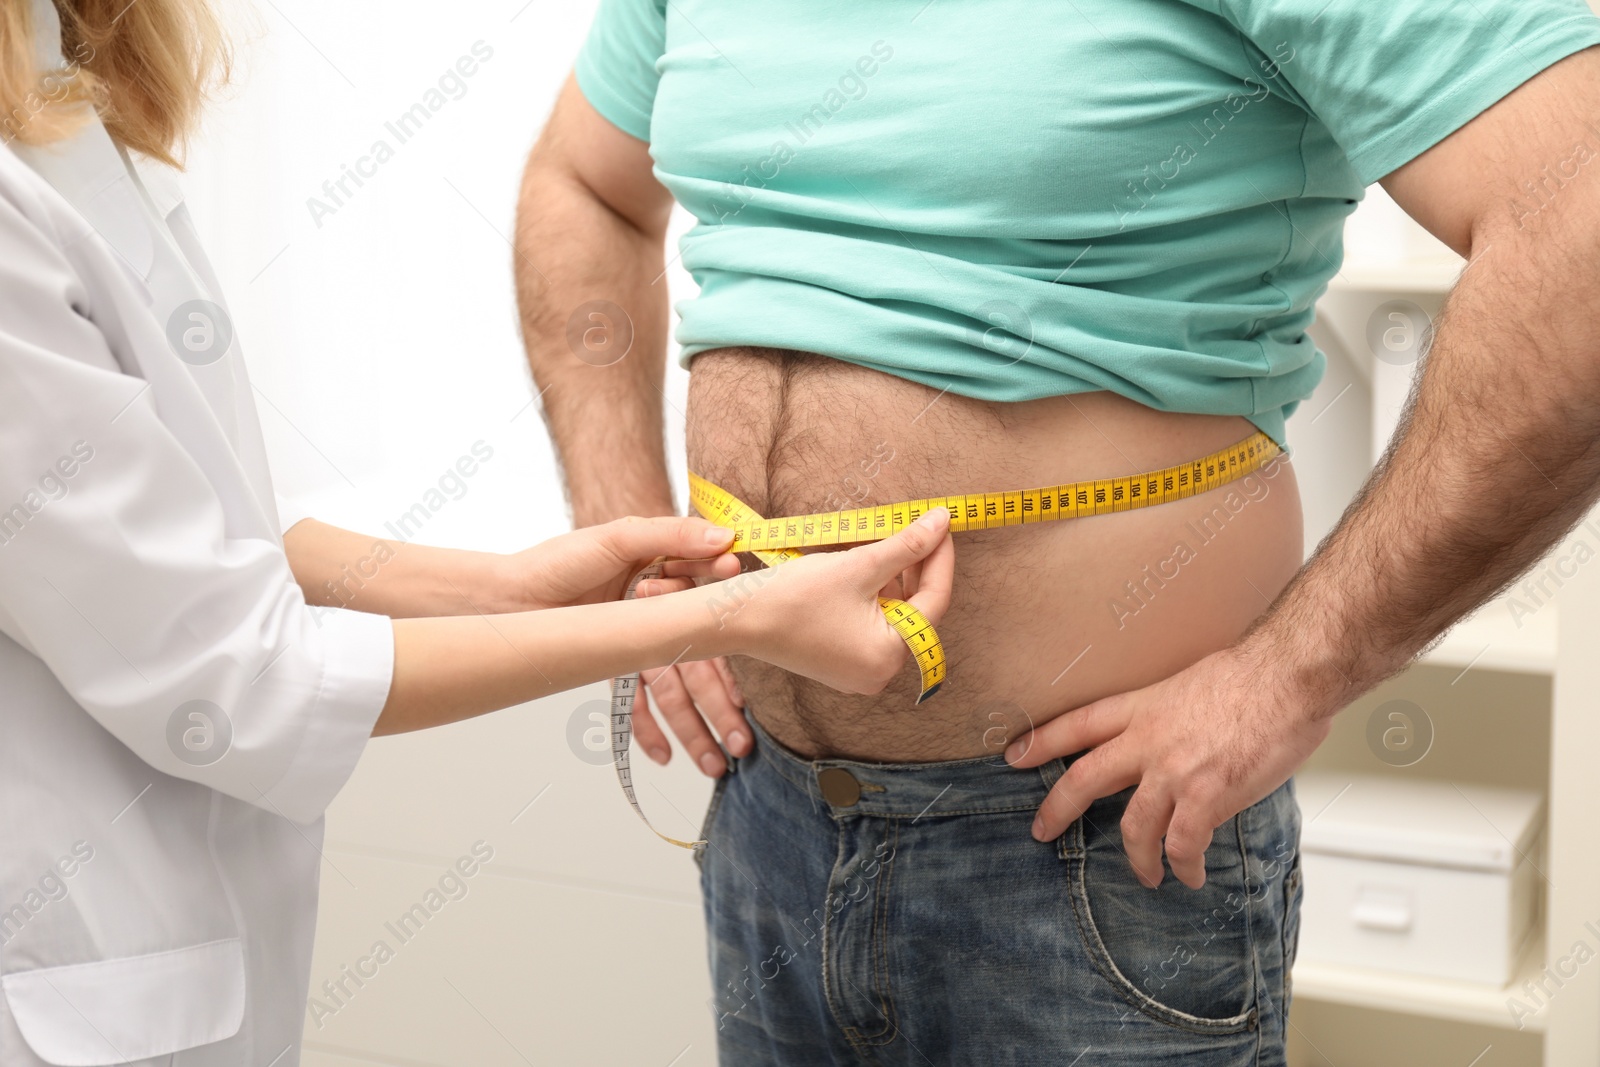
x,y
449,669
342,569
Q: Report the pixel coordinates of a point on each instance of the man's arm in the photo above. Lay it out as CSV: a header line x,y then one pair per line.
x,y
1497,456
591,229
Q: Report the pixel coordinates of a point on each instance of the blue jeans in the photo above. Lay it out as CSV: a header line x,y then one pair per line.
x,y
865,913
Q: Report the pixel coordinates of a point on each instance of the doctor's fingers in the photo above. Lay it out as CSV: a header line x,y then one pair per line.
x,y
934,582
687,537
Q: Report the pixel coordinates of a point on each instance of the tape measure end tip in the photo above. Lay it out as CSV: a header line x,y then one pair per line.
x,y
930,691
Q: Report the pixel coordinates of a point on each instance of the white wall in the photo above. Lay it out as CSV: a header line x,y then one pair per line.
x,y
384,344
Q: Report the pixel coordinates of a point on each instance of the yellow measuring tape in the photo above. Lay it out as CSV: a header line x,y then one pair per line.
x,y
723,508
775,541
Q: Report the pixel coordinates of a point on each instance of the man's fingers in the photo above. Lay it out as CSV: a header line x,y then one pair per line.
x,y
647,733
1143,823
680,574
735,693
737,737
662,586
1099,774
709,688
723,566
1085,727
672,699
934,582
1187,840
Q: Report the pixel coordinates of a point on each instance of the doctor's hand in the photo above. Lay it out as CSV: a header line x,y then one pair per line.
x,y
819,616
1201,746
595,564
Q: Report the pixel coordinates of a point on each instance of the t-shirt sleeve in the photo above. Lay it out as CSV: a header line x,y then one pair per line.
x,y
616,68
1390,80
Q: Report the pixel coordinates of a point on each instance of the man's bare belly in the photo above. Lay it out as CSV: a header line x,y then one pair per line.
x,y
1044,618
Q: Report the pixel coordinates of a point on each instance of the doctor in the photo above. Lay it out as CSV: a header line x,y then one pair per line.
x,y
174,717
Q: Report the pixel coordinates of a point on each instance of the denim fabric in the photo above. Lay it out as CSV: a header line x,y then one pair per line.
x,y
923,925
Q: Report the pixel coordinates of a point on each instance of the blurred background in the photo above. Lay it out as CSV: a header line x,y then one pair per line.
x,y
380,329
382,340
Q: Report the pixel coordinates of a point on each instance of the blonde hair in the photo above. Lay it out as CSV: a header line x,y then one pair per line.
x,y
145,66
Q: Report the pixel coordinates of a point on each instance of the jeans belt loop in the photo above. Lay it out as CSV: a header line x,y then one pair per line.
x,y
1052,772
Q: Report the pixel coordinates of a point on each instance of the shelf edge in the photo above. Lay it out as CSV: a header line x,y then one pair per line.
x,y
1434,998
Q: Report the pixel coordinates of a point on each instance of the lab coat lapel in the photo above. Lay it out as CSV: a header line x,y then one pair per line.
x,y
86,168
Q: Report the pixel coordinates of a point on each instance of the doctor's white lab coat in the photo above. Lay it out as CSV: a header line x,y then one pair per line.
x,y
173,718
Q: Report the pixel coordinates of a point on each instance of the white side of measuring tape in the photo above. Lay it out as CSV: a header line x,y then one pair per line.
x,y
624,691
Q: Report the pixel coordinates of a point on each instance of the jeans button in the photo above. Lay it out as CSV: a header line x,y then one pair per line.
x,y
839,787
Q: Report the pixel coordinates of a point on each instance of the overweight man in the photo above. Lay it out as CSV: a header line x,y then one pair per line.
x,y
948,247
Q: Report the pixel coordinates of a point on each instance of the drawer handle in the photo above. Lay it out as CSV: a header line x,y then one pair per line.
x,y
1381,908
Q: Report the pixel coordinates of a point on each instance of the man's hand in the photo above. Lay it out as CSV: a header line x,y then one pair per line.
x,y
688,696
1496,458
1201,746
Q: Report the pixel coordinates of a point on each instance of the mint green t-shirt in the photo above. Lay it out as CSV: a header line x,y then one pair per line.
x,y
1011,199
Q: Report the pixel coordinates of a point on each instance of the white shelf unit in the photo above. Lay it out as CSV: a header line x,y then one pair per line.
x,y
1493,640
1435,998
1559,641
1428,274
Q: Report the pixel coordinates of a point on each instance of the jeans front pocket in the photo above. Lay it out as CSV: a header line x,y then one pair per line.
x,y
1293,892
717,792
1181,956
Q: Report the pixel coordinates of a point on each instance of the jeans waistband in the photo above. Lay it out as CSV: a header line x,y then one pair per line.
x,y
909,790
